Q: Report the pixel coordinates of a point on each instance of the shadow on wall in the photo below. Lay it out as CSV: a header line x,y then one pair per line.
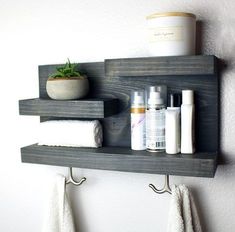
x,y
225,65
195,192
199,31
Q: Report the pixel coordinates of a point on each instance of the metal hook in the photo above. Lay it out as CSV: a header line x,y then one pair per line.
x,y
71,179
165,189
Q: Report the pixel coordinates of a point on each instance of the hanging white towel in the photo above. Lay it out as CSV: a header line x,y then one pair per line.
x,y
183,216
71,133
58,217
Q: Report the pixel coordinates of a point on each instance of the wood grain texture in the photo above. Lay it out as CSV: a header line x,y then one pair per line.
x,y
88,108
122,159
154,66
117,127
116,79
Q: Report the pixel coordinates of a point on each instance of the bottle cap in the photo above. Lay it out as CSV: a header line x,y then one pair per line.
x,y
137,97
175,100
155,98
187,96
162,89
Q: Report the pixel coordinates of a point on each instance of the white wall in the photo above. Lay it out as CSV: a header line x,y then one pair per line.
x,y
47,31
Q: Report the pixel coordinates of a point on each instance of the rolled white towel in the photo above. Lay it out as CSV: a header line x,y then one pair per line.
x,y
71,133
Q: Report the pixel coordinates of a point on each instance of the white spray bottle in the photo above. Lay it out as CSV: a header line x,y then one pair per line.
x,y
138,120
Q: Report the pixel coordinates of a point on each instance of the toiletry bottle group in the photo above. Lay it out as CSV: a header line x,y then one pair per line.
x,y
180,119
157,128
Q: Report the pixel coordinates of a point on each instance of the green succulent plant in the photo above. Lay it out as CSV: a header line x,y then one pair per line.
x,y
66,71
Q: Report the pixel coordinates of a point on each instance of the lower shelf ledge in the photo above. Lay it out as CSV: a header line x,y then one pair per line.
x,y
123,159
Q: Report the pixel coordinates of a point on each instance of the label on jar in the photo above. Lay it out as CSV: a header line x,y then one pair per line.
x,y
155,129
165,34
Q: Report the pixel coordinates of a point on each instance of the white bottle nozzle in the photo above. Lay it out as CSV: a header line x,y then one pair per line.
x,y
138,100
155,98
137,97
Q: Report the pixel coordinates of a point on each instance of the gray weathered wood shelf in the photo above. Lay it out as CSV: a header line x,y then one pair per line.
x,y
165,66
114,79
86,108
122,159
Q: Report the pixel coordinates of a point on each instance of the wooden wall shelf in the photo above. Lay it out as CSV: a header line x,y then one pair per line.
x,y
114,80
157,66
123,159
88,108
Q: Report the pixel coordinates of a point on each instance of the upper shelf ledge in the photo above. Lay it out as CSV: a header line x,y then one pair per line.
x,y
85,108
169,65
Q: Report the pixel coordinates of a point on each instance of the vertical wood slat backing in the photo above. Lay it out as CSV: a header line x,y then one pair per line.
x,y
117,127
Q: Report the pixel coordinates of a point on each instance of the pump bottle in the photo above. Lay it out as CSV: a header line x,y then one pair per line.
x,y
155,122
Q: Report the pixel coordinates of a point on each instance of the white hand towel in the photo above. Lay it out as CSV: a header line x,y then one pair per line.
x,y
183,216
71,133
58,217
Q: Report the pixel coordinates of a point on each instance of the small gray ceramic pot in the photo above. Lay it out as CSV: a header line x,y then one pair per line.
x,y
67,88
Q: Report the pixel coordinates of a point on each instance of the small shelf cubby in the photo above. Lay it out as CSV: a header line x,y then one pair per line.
x,y
111,82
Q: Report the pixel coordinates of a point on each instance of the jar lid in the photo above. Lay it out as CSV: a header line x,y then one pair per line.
x,y
167,14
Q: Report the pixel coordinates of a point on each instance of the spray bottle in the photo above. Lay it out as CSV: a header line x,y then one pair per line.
x,y
155,121
138,120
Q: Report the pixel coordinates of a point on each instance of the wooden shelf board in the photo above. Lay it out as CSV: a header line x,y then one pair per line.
x,y
85,108
161,66
123,159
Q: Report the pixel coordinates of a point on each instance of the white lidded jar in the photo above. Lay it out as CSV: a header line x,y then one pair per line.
x,y
172,34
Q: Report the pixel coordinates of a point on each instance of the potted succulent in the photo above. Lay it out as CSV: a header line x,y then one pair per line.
x,y
67,83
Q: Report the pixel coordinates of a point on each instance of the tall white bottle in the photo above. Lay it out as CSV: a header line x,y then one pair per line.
x,y
172,127
155,122
187,122
138,120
